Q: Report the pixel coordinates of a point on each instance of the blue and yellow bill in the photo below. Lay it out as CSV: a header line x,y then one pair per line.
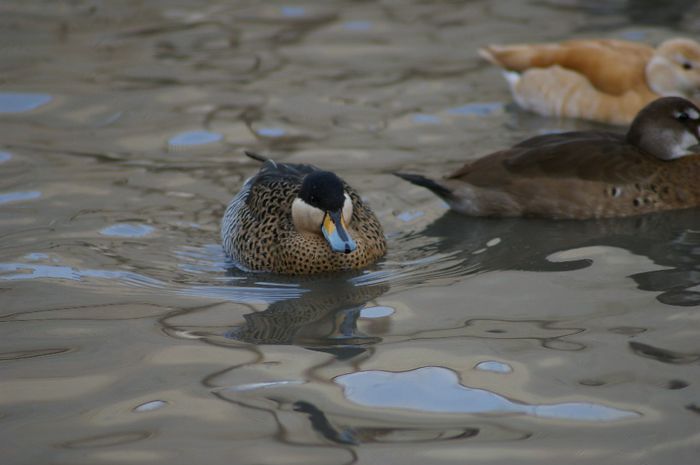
x,y
336,233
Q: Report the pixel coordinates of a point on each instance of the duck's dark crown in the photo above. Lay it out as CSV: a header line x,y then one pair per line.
x,y
323,190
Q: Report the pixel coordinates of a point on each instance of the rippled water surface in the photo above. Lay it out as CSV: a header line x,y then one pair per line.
x,y
127,337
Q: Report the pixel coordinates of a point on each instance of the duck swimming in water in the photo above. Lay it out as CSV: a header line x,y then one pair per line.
x,y
600,80
593,174
299,219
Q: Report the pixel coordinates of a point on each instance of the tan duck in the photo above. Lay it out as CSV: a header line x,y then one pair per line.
x,y
586,174
600,80
299,219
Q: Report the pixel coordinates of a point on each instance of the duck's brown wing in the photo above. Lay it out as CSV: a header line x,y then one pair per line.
x,y
557,139
606,159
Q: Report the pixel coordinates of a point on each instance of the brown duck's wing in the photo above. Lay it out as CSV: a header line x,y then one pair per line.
x,y
582,156
611,66
621,47
557,139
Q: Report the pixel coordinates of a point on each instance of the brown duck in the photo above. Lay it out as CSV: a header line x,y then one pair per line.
x,y
298,219
597,79
578,175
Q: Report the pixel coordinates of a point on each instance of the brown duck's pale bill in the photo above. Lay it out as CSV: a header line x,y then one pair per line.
x,y
336,233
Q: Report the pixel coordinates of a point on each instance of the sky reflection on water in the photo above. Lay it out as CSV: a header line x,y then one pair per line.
x,y
10,197
20,102
437,389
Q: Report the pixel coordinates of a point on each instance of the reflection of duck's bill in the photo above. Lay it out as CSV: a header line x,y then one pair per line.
x,y
335,232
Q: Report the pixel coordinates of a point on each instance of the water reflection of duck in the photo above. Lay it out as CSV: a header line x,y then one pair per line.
x,y
580,175
323,318
600,80
669,239
298,219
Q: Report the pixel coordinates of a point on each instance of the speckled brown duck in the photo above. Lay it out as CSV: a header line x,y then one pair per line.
x,y
598,79
578,175
299,219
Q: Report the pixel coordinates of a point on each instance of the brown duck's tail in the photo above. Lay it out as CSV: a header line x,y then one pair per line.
x,y
422,181
255,156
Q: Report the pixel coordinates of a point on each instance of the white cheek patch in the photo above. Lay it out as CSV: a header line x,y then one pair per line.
x,y
681,147
347,209
305,217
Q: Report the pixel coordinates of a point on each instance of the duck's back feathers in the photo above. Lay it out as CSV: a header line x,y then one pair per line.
x,y
274,187
272,171
597,157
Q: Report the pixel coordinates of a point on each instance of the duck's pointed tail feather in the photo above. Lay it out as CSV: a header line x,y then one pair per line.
x,y
488,54
422,181
256,156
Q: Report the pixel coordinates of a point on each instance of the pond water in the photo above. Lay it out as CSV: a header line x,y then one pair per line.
x,y
127,337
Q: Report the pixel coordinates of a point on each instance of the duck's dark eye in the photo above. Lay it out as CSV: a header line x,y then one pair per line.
x,y
682,116
687,65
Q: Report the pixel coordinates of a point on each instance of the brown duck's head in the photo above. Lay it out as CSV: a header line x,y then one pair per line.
x,y
675,68
323,207
667,128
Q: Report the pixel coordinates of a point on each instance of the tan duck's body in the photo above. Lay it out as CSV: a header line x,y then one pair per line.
x,y
582,175
600,80
260,233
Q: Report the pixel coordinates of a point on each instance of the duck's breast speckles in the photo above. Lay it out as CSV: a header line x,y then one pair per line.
x,y
307,253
